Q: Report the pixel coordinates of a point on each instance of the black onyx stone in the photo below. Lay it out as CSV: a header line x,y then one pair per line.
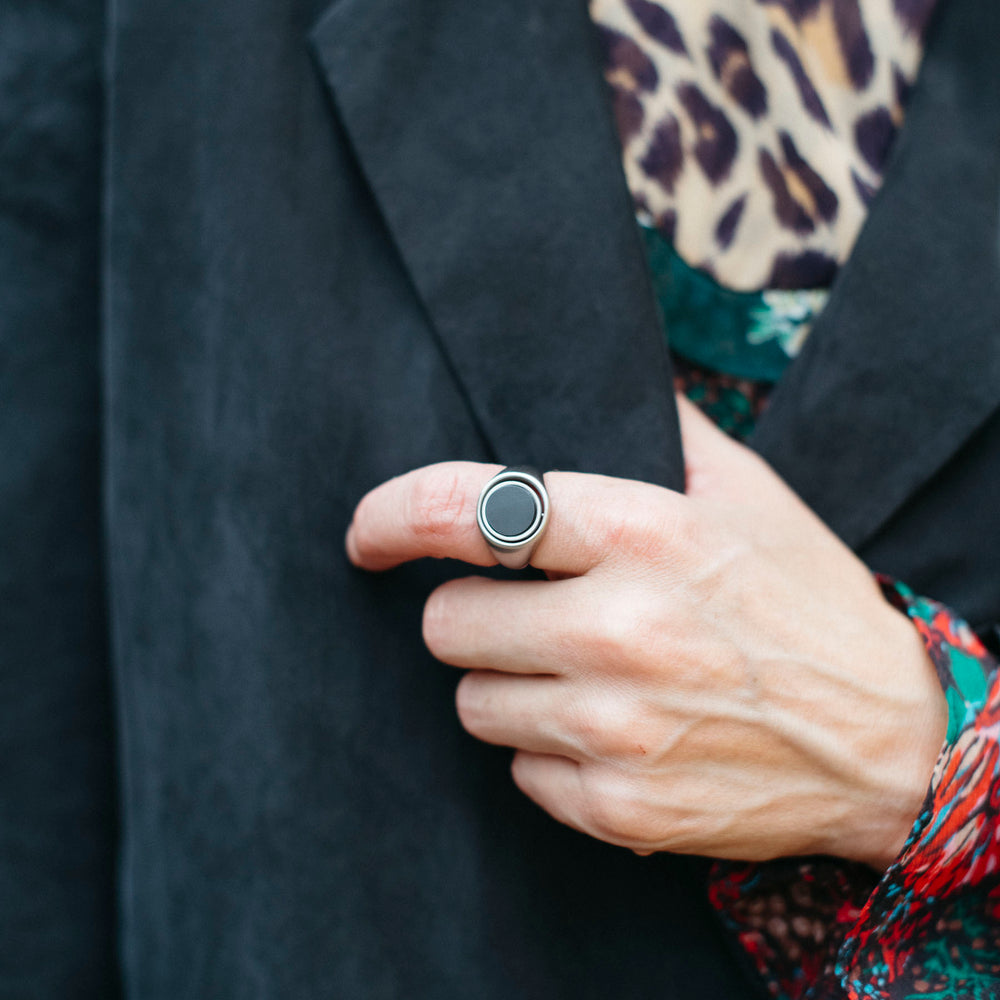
x,y
511,509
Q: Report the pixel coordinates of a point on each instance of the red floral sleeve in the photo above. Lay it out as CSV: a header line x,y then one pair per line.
x,y
821,928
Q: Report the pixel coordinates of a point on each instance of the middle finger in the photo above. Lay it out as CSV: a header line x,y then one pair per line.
x,y
514,626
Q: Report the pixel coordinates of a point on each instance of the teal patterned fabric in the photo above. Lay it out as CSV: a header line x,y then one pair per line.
x,y
748,335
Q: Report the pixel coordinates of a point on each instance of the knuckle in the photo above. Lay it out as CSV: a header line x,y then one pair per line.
x,y
437,506
587,728
649,529
685,533
615,812
635,530
617,730
616,630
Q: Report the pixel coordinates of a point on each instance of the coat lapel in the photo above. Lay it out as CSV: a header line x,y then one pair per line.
x,y
904,363
485,134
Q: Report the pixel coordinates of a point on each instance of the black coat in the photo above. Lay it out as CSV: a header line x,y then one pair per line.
x,y
338,244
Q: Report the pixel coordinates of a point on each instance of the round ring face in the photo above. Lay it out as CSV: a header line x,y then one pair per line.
x,y
512,510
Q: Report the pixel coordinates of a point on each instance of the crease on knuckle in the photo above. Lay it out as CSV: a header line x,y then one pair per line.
x,y
437,507
684,537
635,533
616,633
617,731
615,811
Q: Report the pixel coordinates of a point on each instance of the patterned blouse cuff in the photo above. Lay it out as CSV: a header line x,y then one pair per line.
x,y
930,926
964,667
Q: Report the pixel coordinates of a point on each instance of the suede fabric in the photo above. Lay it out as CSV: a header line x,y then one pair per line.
x,y
303,815
337,244
57,786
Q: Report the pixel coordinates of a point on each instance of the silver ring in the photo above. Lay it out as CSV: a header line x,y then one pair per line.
x,y
512,513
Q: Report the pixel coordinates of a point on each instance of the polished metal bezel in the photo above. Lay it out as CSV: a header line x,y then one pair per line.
x,y
514,551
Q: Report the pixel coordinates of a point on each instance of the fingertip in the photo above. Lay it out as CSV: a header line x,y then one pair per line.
x,y
363,556
351,546
517,768
433,623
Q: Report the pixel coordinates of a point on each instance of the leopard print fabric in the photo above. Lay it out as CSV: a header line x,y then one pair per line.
x,y
755,132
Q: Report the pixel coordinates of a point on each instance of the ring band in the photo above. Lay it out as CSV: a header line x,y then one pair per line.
x,y
512,513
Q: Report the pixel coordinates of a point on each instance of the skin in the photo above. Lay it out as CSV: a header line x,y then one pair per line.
x,y
711,672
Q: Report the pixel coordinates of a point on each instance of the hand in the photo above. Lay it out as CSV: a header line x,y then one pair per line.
x,y
711,672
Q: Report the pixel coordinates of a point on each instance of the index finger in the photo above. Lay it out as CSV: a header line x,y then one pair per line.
x,y
432,512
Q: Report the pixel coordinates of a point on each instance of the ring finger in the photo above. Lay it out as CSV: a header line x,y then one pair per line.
x,y
527,713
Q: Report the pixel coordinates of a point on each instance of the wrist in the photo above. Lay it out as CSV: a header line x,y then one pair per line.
x,y
911,731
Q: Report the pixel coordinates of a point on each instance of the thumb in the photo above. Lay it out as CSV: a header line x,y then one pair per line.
x,y
715,466
699,435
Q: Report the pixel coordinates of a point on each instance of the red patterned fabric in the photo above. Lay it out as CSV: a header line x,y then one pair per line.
x,y
821,928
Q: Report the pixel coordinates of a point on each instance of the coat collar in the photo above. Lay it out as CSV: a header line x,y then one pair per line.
x,y
903,365
485,134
